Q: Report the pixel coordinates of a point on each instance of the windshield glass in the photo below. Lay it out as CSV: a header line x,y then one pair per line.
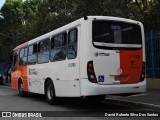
x,y
116,34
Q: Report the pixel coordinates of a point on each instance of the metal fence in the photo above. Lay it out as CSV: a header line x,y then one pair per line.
x,y
153,55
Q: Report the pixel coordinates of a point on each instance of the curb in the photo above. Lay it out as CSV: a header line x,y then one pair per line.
x,y
132,103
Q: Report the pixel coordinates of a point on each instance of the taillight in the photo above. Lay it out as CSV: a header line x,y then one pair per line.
x,y
91,73
143,72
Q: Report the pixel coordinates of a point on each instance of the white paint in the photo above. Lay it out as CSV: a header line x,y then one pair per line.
x,y
72,81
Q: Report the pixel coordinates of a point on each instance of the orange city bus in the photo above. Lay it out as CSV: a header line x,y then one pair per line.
x,y
90,57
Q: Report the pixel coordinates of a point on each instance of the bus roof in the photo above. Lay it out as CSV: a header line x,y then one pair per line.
x,y
71,25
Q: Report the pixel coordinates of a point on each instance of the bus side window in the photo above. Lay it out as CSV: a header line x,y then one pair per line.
x,y
58,47
72,44
43,51
23,56
32,54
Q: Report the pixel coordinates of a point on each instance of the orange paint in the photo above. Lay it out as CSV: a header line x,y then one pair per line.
x,y
14,80
20,72
131,65
21,46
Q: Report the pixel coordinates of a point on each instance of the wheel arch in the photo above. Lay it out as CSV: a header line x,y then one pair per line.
x,y
20,79
45,83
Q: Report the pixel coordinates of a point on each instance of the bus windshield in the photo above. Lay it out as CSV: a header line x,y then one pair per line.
x,y
116,34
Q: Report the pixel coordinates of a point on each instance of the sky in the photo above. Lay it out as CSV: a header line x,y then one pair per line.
x,y
2,2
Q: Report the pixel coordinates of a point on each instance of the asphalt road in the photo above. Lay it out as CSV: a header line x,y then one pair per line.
x,y
81,108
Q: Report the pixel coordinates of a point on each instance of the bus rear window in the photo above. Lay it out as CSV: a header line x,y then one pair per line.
x,y
116,34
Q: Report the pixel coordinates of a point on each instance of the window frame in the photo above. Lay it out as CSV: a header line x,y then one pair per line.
x,y
15,61
72,44
32,54
26,47
38,52
121,47
66,37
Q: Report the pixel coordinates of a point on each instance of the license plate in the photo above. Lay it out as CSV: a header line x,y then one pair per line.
x,y
116,82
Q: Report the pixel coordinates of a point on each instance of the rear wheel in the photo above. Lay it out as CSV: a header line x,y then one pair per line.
x,y
22,93
50,93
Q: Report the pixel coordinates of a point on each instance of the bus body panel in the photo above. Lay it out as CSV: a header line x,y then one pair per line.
x,y
14,79
85,47
121,68
108,66
70,77
118,67
131,63
36,77
64,74
92,89
65,79
19,72
23,73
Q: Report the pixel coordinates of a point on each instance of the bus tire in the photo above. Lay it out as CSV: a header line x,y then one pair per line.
x,y
50,93
21,91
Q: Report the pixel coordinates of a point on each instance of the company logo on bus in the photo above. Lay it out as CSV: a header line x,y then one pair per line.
x,y
119,71
101,54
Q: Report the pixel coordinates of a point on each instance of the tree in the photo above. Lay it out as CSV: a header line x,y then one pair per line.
x,y
10,22
29,19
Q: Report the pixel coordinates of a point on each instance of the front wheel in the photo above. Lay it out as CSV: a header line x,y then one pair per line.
x,y
50,93
22,93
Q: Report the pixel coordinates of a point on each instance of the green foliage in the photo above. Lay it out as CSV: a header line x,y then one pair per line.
x,y
26,20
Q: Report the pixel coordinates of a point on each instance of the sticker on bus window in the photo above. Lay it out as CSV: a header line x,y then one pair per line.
x,y
101,78
116,27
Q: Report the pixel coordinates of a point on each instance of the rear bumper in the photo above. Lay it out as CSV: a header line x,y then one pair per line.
x,y
89,89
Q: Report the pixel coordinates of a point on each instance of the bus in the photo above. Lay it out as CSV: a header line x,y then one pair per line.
x,y
91,57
